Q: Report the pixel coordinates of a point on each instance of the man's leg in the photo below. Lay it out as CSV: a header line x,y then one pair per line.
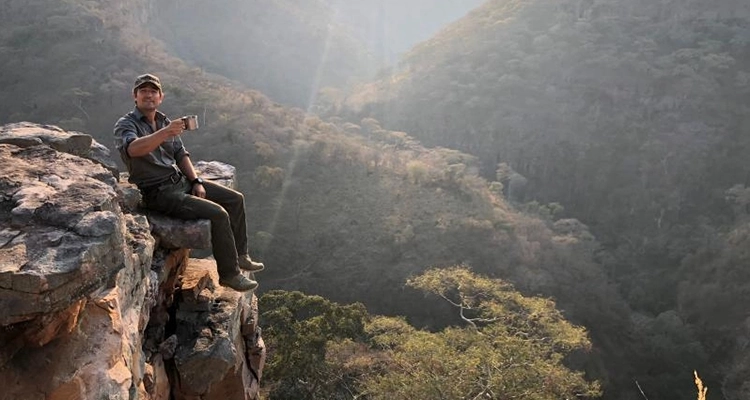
x,y
234,203
176,202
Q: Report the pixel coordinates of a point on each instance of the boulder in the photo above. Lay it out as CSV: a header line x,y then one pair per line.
x,y
26,134
62,234
174,233
218,172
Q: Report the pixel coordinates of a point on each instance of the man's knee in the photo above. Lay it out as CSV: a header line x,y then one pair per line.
x,y
218,213
225,195
236,197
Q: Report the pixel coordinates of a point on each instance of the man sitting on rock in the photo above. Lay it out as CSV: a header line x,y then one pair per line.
x,y
151,148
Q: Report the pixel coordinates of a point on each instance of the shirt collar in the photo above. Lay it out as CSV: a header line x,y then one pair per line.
x,y
160,116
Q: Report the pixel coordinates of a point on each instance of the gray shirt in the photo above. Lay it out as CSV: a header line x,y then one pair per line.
x,y
157,166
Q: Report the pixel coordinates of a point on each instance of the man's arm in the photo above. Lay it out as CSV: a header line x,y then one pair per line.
x,y
146,144
186,166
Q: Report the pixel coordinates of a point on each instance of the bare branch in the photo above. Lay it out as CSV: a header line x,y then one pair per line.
x,y
468,320
83,110
453,303
641,390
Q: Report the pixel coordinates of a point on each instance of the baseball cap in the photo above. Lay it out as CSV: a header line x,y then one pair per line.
x,y
147,78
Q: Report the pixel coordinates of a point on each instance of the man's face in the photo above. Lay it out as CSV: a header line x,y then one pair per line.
x,y
148,97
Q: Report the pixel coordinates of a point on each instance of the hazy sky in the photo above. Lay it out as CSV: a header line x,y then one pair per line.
x,y
392,27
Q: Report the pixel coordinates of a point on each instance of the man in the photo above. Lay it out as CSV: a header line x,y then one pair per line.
x,y
151,148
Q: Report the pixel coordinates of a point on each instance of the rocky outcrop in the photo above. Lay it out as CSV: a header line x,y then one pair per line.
x,y
26,134
61,225
212,324
99,300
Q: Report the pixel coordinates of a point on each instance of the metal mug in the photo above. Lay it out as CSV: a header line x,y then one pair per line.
x,y
191,122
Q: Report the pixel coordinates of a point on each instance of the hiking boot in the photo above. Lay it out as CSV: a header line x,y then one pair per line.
x,y
239,282
248,264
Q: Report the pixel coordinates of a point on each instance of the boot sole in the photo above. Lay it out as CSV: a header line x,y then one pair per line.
x,y
253,270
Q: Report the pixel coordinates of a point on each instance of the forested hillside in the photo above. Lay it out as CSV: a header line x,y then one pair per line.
x,y
349,211
633,116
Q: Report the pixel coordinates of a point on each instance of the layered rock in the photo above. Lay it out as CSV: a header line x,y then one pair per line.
x,y
213,324
93,303
27,134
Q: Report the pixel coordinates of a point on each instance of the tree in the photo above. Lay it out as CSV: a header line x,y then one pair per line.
x,y
513,346
298,328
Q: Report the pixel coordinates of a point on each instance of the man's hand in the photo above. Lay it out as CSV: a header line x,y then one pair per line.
x,y
175,128
199,191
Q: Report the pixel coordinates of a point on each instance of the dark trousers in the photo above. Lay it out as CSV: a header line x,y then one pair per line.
x,y
225,208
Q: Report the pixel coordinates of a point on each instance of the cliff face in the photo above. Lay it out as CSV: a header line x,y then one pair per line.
x,y
93,305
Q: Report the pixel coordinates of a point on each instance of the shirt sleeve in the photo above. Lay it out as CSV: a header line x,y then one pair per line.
x,y
125,133
179,150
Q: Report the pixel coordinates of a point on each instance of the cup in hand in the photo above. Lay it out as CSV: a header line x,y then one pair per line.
x,y
191,122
